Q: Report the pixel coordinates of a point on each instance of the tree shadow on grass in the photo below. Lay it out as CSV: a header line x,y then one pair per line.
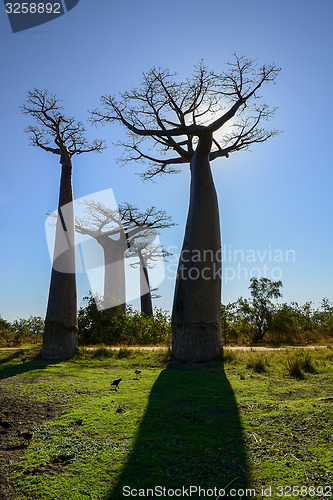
x,y
22,361
190,435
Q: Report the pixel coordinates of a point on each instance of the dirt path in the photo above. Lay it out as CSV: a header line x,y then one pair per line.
x,y
273,348
157,348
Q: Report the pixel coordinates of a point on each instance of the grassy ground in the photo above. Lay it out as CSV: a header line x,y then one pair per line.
x,y
262,420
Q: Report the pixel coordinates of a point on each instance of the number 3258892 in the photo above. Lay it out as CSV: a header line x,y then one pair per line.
x,y
33,8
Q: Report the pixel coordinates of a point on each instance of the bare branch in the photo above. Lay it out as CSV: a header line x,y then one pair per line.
x,y
174,115
67,133
135,225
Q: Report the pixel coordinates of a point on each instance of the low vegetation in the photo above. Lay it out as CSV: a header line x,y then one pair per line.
x,y
300,362
258,363
21,332
132,328
252,321
175,424
261,320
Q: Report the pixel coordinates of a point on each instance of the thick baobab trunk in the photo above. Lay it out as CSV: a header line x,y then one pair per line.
x,y
114,273
196,315
60,334
145,294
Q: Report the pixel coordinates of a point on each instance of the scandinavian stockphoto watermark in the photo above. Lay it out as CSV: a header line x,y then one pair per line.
x,y
109,252
188,492
229,264
229,492
124,260
24,14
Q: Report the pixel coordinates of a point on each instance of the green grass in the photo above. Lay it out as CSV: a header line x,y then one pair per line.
x,y
300,362
257,363
251,422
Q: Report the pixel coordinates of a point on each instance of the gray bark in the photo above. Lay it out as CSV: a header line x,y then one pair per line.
x,y
114,272
60,334
196,315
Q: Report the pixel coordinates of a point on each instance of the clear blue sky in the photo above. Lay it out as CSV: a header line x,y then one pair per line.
x,y
276,198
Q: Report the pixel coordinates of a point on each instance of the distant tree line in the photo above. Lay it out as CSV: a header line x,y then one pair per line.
x,y
130,327
261,319
258,319
21,331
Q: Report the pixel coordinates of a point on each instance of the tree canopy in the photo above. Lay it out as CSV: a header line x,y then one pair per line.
x,y
173,114
52,126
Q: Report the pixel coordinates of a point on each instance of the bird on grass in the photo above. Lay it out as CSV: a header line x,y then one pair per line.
x,y
27,436
138,373
116,382
23,360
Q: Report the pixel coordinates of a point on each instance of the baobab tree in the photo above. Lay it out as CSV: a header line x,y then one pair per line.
x,y
148,255
104,224
206,117
116,231
62,136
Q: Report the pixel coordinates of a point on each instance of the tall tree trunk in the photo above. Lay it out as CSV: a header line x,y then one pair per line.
x,y
114,273
196,315
145,293
60,334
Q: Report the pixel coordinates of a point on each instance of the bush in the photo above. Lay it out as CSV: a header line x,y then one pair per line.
x,y
299,363
229,357
102,352
246,321
132,328
308,363
294,367
21,331
257,363
124,353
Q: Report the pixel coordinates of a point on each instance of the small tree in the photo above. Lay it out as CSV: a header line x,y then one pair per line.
x,y
188,123
261,308
5,328
4,324
326,315
67,138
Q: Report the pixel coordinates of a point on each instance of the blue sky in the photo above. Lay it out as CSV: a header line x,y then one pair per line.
x,y
275,198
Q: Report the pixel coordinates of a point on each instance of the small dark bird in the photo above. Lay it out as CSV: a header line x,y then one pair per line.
x,y
116,382
5,424
26,435
23,360
138,373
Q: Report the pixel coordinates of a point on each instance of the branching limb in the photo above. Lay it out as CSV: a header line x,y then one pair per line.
x,y
173,114
67,133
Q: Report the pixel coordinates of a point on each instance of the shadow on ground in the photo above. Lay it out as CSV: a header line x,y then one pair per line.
x,y
22,361
190,435
19,412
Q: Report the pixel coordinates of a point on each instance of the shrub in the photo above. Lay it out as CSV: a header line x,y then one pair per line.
x,y
329,353
308,363
21,331
124,353
132,328
257,363
102,352
229,357
294,367
300,362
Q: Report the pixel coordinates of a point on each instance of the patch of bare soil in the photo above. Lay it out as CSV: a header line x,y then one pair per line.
x,y
18,413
